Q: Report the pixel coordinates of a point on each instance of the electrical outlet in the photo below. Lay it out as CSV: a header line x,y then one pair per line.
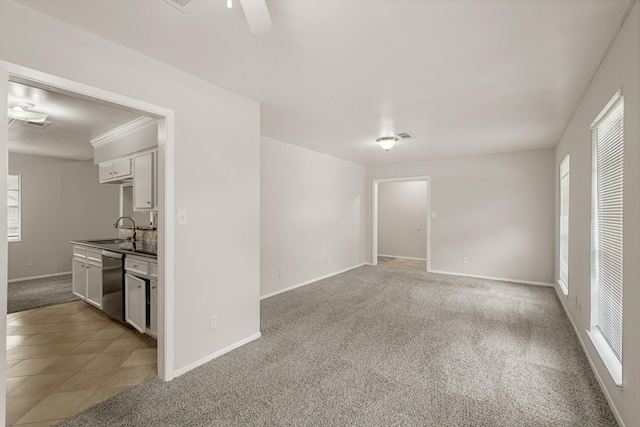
x,y
213,322
280,274
465,260
29,263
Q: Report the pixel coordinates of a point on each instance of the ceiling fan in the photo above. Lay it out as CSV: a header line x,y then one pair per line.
x,y
22,111
257,15
255,11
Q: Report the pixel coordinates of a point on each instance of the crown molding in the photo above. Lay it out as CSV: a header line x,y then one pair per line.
x,y
123,131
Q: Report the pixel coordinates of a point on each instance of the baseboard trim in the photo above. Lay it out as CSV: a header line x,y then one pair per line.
x,y
215,355
44,276
501,279
605,391
308,282
403,257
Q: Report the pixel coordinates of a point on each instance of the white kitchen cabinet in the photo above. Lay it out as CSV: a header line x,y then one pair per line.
x,y
144,182
79,277
135,302
86,274
153,309
94,284
115,171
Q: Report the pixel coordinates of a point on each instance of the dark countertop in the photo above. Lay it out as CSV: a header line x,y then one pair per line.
x,y
127,247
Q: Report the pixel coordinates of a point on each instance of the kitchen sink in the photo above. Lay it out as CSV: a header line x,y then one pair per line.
x,y
97,242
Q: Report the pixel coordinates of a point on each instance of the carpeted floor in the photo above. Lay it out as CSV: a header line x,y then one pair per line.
x,y
381,347
35,293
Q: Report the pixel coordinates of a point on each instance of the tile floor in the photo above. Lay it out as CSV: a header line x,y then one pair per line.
x,y
413,264
64,358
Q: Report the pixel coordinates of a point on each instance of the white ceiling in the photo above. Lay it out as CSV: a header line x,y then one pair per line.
x,y
464,76
74,122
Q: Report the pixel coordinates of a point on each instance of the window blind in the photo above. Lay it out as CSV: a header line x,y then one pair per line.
x,y
564,224
607,235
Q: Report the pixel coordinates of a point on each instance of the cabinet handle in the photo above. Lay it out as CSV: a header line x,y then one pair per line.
x,y
148,203
139,286
135,265
153,287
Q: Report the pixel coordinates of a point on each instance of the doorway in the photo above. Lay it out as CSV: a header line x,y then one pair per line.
x,y
13,72
404,236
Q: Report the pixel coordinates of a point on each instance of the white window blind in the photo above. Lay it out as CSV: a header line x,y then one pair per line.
x,y
607,218
564,225
13,208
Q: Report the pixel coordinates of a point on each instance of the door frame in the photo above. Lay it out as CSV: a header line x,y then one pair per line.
x,y
166,160
374,214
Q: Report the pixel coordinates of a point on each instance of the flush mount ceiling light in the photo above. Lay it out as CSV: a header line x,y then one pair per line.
x,y
387,142
22,111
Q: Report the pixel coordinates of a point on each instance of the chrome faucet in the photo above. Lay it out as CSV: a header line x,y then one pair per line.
x,y
133,238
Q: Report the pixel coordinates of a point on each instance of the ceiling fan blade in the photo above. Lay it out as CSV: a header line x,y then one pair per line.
x,y
257,15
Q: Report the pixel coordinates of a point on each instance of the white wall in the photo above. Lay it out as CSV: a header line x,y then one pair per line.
x,y
620,68
312,209
216,179
402,219
61,200
496,210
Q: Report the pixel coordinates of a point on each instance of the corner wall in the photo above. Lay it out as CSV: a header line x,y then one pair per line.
x,y
61,200
496,210
620,69
311,218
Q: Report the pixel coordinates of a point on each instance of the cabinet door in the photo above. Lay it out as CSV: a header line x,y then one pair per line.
x,y
78,278
94,284
105,172
153,312
122,168
134,302
143,183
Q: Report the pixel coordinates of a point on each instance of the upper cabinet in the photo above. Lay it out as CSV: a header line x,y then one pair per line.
x,y
127,154
116,171
144,182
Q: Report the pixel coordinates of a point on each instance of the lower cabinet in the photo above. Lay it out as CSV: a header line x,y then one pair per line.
x,y
135,302
86,277
153,308
141,294
79,278
94,284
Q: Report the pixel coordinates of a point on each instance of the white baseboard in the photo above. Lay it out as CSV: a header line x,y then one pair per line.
x,y
403,257
501,279
607,396
218,353
308,282
22,279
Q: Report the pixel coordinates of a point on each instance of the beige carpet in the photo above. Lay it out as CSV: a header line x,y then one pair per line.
x,y
380,347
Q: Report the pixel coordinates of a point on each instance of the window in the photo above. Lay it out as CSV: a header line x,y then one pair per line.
x,y
564,225
607,235
13,208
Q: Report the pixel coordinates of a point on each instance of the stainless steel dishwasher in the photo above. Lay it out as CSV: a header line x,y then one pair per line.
x,y
112,285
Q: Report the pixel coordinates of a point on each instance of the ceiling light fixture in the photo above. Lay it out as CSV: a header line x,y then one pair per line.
x,y
22,111
229,4
387,142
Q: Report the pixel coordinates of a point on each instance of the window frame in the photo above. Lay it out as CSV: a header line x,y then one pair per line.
x,y
604,348
18,238
563,280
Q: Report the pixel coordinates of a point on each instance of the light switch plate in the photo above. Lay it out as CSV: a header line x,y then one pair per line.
x,y
182,217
